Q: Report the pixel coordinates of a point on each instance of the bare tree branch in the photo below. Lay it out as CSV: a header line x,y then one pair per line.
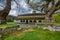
x,y
16,2
58,3
2,6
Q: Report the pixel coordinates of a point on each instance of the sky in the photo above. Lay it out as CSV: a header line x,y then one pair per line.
x,y
23,8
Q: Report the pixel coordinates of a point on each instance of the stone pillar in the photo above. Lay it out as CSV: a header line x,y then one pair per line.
x,y
37,21
32,21
28,21
20,21
25,21
42,20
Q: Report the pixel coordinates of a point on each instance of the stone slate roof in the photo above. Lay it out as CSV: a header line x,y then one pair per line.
x,y
32,14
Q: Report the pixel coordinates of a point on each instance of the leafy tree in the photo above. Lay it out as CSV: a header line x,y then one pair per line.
x,y
5,12
10,18
45,7
56,18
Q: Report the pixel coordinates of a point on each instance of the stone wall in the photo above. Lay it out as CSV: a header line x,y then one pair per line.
x,y
51,27
4,31
8,29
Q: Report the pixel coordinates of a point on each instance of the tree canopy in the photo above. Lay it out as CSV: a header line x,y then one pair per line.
x,y
47,6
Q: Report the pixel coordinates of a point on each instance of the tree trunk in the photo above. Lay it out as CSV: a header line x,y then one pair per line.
x,y
3,18
48,17
2,21
5,12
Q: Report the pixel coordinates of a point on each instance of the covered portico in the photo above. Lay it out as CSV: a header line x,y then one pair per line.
x,y
30,21
31,18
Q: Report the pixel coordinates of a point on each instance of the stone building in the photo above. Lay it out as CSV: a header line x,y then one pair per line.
x,y
31,18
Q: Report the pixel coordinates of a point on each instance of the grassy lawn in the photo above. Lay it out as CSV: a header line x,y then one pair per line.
x,y
37,34
54,23
9,24
56,17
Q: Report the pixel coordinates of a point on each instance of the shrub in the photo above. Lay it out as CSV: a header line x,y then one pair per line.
x,y
56,18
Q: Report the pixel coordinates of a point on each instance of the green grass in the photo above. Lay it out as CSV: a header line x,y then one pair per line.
x,y
9,24
54,23
37,34
56,17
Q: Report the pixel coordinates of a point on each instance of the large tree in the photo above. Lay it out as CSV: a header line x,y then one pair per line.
x,y
5,12
47,10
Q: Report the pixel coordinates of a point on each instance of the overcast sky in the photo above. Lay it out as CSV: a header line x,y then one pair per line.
x,y
22,9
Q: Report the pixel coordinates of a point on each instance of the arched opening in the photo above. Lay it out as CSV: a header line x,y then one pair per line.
x,y
26,21
39,20
21,20
34,20
30,20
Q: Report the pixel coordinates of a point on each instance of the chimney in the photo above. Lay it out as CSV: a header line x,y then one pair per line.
x,y
34,12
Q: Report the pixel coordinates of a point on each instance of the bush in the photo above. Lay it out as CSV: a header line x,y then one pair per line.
x,y
56,18
10,18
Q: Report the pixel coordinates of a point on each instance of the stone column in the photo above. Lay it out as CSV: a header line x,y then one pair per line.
x,y
37,21
42,20
28,21
20,21
32,21
25,21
